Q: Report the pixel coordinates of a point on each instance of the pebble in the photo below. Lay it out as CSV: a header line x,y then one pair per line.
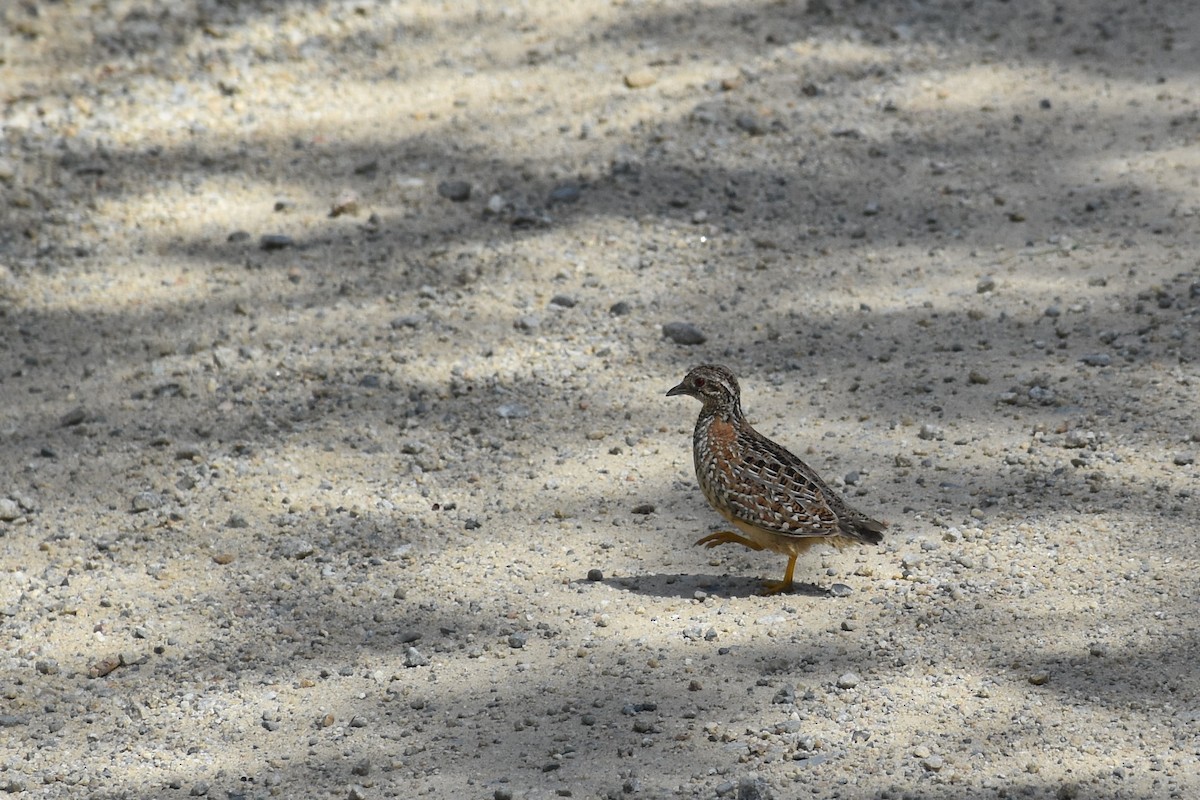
x,y
640,78
930,432
643,508
73,417
753,789
595,574
852,477
9,510
751,124
567,193
619,308
414,658
933,763
847,680
683,333
527,323
455,191
563,301
146,501
1097,359
985,284
275,241
517,640
346,203
840,590
1184,459
512,411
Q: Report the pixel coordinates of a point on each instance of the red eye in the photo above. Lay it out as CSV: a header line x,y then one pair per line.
x,y
699,383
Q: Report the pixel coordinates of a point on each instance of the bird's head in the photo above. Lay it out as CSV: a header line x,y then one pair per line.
x,y
711,384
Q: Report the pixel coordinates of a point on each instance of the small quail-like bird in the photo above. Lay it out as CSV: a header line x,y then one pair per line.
x,y
776,500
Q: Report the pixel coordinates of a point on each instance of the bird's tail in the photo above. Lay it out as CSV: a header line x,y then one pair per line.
x,y
864,529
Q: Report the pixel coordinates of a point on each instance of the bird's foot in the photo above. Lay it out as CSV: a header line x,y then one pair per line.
x,y
776,587
727,537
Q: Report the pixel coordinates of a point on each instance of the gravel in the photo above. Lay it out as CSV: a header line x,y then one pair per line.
x,y
336,340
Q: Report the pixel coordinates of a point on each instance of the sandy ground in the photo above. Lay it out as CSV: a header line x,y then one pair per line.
x,y
334,456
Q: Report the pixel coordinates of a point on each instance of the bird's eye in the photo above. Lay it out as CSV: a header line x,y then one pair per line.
x,y
700,383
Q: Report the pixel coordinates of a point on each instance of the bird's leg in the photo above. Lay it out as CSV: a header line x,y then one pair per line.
x,y
727,537
784,585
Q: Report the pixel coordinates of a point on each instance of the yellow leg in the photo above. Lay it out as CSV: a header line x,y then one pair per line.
x,y
785,585
728,537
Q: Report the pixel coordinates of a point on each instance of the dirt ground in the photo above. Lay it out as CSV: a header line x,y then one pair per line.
x,y
335,460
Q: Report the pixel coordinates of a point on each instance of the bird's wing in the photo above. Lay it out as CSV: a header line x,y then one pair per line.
x,y
773,489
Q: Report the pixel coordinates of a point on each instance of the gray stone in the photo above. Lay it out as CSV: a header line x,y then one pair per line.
x,y
455,191
683,333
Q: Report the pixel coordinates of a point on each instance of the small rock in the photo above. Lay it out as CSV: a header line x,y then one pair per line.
x,y
1040,678
496,205
346,203
870,209
930,432
977,377
852,477
146,501
848,680
683,333
527,323
275,241
517,640
594,575
753,789
933,763
619,308
9,510
455,191
236,520
849,625
643,508
751,124
238,236
1097,359
567,193
563,301
72,417
407,321
414,658
1184,459
986,284
512,411
640,78
840,590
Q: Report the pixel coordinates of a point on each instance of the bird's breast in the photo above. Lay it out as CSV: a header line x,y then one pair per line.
x,y
715,454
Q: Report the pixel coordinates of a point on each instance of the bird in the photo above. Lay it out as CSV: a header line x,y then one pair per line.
x,y
778,502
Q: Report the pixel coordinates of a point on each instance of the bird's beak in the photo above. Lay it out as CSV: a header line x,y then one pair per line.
x,y
674,390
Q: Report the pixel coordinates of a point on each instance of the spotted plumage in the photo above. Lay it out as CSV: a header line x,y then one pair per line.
x,y
770,495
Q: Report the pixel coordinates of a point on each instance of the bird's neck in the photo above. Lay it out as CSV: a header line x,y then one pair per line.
x,y
725,412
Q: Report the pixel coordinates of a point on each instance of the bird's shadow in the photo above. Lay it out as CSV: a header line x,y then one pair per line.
x,y
687,584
